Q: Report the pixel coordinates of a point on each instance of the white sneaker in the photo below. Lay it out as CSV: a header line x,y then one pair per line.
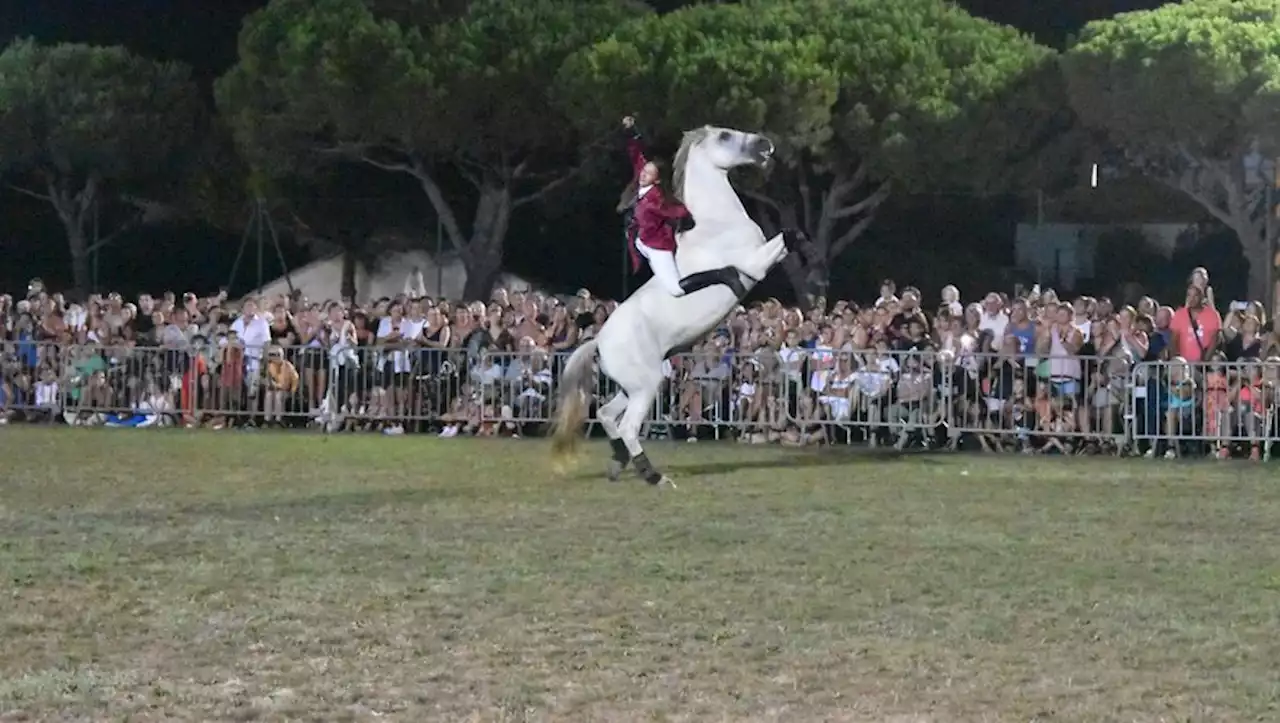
x,y
447,432
394,431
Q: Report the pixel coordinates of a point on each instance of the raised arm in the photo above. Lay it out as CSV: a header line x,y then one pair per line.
x,y
635,146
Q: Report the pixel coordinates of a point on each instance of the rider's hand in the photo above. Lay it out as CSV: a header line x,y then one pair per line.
x,y
629,122
682,224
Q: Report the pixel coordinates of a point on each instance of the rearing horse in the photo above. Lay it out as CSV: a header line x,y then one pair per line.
x,y
651,323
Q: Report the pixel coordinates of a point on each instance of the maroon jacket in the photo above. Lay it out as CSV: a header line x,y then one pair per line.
x,y
653,212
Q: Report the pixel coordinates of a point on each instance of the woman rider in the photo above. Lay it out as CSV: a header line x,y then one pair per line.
x,y
653,222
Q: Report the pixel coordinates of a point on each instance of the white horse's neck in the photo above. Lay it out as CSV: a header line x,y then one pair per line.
x,y
709,195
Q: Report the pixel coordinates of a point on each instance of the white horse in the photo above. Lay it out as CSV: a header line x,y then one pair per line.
x,y
651,323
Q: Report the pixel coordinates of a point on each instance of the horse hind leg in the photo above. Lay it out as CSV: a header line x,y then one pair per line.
x,y
608,415
638,408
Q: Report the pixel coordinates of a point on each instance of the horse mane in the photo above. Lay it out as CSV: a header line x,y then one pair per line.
x,y
691,139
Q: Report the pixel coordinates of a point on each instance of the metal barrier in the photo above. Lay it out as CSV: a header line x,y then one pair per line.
x,y
1211,408
1064,404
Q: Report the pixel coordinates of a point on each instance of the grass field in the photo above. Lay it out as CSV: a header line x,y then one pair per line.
x,y
203,576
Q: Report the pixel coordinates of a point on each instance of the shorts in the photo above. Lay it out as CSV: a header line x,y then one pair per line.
x,y
391,379
1065,387
313,359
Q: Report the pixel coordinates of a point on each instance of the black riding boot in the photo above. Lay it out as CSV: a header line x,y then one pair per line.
x,y
726,275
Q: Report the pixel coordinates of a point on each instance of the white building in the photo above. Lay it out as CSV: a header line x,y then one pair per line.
x,y
322,279
1059,254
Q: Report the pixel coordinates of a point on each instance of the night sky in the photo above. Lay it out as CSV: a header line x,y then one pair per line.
x,y
581,228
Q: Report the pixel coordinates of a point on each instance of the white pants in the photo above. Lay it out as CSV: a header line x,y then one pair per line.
x,y
663,265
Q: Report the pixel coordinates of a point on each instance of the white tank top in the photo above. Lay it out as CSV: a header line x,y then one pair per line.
x,y
1061,365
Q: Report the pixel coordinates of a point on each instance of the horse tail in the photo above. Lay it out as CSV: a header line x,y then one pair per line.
x,y
571,407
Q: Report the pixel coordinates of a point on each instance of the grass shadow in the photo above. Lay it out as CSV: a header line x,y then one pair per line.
x,y
785,459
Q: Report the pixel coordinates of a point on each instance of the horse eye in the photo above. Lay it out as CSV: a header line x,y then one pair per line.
x,y
724,135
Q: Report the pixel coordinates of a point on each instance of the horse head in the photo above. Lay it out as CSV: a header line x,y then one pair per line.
x,y
721,148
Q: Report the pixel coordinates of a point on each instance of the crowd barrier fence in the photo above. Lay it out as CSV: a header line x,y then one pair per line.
x,y
1063,403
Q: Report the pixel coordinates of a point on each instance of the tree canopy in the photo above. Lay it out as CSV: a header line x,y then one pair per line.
x,y
859,95
81,125
1191,93
457,94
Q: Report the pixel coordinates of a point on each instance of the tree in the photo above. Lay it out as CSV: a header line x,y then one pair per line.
x,y
322,212
83,126
460,94
858,95
1191,92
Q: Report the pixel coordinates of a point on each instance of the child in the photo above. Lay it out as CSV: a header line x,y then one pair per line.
x,y
1217,406
1180,412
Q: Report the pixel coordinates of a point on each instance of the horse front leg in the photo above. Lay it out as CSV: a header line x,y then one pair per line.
x,y
765,258
638,408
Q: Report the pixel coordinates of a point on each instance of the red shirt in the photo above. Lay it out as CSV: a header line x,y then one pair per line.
x,y
1190,345
653,212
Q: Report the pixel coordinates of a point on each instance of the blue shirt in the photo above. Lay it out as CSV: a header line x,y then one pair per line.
x,y
27,350
1026,337
1157,343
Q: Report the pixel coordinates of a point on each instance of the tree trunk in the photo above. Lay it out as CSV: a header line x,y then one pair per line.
x,y
483,256
809,279
81,274
832,219
73,210
348,274
1258,251
1275,299
481,278
1260,262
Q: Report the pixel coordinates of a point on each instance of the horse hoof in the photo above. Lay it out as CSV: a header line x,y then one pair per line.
x,y
665,482
793,238
614,473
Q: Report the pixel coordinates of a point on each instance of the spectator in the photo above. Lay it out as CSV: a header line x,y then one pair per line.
x,y
994,318
281,382
253,332
1008,372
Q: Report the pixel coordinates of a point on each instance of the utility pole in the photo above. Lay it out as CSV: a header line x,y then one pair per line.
x,y
1273,295
439,257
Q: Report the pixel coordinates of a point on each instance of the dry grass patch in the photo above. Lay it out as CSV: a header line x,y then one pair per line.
x,y
156,575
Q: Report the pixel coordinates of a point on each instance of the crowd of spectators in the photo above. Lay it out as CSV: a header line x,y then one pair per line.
x,y
1026,371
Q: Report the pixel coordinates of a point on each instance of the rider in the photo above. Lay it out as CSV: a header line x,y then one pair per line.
x,y
652,225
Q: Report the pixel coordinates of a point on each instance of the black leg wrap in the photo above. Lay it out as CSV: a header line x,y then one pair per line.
x,y
646,470
620,453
